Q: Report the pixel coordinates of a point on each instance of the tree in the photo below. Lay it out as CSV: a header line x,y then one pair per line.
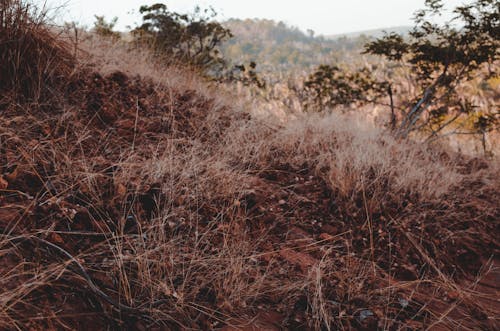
x,y
104,28
442,57
330,86
193,39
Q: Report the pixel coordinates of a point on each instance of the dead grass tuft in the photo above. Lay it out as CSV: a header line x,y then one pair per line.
x,y
34,63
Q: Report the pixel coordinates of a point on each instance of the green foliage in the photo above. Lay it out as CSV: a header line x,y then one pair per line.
x,y
329,86
280,48
246,75
486,122
442,57
391,46
104,28
192,39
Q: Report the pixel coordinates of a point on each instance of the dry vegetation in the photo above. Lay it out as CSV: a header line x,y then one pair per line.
x,y
134,196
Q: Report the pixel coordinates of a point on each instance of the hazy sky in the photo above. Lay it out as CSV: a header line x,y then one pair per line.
x,y
323,16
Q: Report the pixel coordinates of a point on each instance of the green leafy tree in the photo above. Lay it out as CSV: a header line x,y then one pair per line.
x,y
330,86
442,58
193,39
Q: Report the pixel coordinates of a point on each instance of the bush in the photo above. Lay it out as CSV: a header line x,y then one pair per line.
x,y
247,75
330,86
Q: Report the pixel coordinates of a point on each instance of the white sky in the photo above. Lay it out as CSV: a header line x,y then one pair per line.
x,y
325,17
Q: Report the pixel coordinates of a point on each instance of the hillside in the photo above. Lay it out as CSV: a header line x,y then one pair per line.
x,y
275,46
374,33
135,195
278,47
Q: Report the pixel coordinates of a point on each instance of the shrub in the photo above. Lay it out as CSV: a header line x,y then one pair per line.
x,y
330,86
247,75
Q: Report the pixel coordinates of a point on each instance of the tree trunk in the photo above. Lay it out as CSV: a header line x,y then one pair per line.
x,y
393,114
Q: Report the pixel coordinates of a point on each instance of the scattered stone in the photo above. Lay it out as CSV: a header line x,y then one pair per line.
x,y
364,314
3,183
403,302
304,261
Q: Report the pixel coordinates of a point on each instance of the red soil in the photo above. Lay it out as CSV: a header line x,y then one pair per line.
x,y
438,258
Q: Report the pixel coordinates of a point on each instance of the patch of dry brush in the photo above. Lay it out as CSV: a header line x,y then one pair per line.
x,y
145,198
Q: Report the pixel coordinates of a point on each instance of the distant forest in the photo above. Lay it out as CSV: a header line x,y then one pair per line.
x,y
278,47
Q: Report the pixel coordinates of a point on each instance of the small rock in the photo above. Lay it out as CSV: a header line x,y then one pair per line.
x,y
403,302
121,190
304,261
453,295
325,236
364,314
3,183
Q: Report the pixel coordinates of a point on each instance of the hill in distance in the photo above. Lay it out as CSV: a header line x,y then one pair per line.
x,y
372,33
277,46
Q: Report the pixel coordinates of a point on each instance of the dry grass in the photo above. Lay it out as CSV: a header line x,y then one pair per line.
x,y
32,59
149,198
